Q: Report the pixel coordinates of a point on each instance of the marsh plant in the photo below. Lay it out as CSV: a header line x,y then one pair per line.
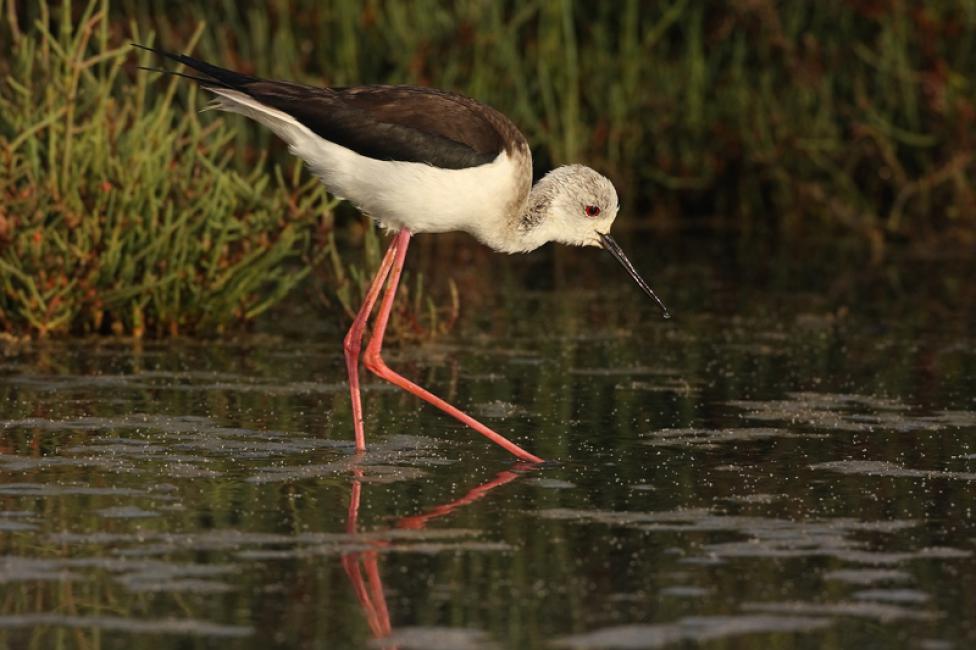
x,y
854,118
123,210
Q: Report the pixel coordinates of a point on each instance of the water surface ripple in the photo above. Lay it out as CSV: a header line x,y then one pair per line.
x,y
774,468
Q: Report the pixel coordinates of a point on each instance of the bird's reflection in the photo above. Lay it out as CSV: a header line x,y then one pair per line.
x,y
369,587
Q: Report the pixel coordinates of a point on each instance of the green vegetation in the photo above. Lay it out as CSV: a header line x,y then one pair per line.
x,y
123,210
854,115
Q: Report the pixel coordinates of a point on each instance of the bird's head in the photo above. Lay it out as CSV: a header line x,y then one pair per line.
x,y
577,206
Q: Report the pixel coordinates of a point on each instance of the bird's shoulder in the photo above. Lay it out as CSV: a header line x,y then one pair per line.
x,y
440,112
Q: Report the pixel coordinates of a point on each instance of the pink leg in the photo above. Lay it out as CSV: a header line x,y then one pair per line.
x,y
375,363
353,342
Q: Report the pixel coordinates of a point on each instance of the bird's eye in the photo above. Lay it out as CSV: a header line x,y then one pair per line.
x,y
592,210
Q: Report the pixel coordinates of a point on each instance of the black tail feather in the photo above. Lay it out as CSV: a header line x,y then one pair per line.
x,y
201,80
217,76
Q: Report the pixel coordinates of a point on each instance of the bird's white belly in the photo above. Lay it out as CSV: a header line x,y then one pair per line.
x,y
417,196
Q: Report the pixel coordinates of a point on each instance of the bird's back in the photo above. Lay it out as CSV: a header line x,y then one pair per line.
x,y
402,123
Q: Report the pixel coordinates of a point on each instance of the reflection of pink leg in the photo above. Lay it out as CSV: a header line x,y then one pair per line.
x,y
353,342
376,591
372,600
420,521
352,515
377,617
375,363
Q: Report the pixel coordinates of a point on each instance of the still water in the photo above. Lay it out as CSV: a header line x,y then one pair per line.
x,y
790,462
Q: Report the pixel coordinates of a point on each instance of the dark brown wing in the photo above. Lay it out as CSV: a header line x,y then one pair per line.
x,y
383,122
393,122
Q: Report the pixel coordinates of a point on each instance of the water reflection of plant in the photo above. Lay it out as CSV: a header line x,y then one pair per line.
x,y
571,360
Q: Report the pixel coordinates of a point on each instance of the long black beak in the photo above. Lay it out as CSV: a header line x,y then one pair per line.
x,y
615,250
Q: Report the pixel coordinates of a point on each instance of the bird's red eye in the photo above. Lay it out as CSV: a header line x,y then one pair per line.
x,y
592,210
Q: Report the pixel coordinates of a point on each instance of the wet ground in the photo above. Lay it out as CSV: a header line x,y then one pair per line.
x,y
790,462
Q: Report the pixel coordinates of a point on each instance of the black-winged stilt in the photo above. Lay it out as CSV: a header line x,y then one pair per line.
x,y
420,160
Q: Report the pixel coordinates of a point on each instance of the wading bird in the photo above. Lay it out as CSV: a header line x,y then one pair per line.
x,y
420,160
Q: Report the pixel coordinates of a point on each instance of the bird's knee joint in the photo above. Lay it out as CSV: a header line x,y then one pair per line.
x,y
351,346
374,362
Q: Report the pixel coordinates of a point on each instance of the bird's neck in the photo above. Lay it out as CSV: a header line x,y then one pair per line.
x,y
522,227
535,212
534,220
527,221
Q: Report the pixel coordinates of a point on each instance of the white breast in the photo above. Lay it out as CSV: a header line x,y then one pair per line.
x,y
417,196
